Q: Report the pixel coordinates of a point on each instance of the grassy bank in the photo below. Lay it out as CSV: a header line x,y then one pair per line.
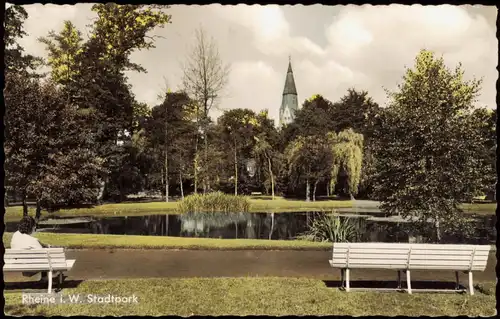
x,y
254,296
163,242
279,205
137,209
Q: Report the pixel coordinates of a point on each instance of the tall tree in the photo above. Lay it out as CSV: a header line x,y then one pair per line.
x,y
97,83
429,153
169,130
486,120
16,61
238,127
47,154
347,152
265,149
205,77
309,159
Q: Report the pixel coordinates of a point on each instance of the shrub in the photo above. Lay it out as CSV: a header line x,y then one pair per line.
x,y
216,202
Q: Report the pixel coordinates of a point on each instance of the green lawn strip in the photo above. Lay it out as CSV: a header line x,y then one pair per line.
x,y
77,241
488,208
251,296
98,241
15,213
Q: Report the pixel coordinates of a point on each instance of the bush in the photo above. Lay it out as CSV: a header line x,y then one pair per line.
x,y
216,202
330,228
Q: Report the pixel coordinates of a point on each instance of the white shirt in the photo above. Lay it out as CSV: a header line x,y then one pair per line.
x,y
24,241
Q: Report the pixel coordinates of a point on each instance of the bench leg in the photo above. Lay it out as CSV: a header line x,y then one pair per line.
x,y
347,285
342,278
49,290
399,279
408,281
471,286
457,281
59,286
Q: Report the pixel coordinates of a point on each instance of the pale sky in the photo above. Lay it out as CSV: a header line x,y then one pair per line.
x,y
333,48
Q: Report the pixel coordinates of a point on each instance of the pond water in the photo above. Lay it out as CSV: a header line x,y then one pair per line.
x,y
372,226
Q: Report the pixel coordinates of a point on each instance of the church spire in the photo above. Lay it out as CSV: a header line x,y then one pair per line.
x,y
289,103
289,81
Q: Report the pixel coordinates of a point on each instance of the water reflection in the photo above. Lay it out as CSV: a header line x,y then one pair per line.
x,y
283,226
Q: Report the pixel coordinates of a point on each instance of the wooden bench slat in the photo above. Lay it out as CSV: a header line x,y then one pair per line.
x,y
353,256
31,251
27,257
397,246
44,266
34,260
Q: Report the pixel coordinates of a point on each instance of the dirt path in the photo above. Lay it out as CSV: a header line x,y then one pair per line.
x,y
115,264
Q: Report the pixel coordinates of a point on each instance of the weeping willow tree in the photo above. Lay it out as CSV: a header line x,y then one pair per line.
x,y
347,151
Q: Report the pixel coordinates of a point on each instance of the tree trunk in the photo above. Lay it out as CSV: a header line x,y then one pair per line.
x,y
272,226
271,175
328,189
235,170
206,185
438,229
180,184
308,190
195,163
166,156
25,205
236,227
314,190
38,211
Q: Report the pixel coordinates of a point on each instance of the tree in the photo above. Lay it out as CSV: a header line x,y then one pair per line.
x,y
265,149
309,159
486,120
313,119
15,59
347,155
63,50
47,154
205,76
238,127
429,151
358,111
169,132
92,73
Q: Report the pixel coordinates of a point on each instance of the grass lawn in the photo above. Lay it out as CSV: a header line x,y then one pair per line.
x,y
15,213
164,242
279,205
488,208
254,296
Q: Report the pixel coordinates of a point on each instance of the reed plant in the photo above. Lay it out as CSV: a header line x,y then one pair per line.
x,y
330,228
215,202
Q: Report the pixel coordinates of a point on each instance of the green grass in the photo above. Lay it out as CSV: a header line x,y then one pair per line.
x,y
15,213
163,242
488,208
251,296
278,205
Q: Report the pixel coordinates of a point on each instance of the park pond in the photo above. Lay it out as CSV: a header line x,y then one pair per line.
x,y
371,226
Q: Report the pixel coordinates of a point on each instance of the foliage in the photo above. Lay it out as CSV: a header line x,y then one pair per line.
x,y
429,151
347,149
48,155
205,77
214,202
330,228
309,159
15,59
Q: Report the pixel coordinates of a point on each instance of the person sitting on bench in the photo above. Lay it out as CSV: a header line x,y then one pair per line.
x,y
22,239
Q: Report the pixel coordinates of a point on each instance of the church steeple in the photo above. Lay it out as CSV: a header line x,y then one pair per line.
x,y
289,103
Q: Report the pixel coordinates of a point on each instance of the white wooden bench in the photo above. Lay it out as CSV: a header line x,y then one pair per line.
x,y
407,257
51,260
